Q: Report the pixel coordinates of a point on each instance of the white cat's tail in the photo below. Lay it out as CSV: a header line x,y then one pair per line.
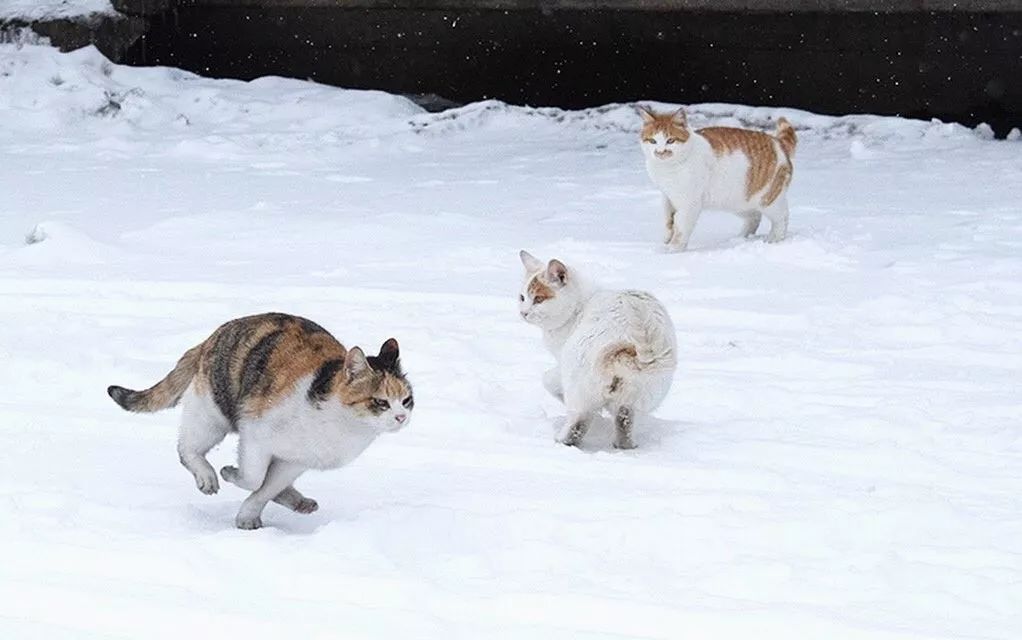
x,y
785,134
163,394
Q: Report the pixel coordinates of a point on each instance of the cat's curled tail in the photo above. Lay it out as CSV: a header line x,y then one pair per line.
x,y
165,393
785,134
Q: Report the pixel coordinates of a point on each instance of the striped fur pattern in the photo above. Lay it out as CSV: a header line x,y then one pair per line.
x,y
295,395
615,350
738,170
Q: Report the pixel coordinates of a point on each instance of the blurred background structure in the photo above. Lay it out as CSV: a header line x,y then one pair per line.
x,y
958,61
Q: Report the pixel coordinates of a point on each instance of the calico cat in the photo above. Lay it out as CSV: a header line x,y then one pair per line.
x,y
615,350
296,397
738,170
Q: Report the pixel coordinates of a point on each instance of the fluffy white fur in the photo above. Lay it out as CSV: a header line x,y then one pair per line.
x,y
615,350
692,178
282,444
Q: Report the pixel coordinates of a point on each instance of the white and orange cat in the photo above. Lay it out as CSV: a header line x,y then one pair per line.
x,y
738,170
615,350
295,396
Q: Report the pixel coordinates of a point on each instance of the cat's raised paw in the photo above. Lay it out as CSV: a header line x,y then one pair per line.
x,y
306,505
229,473
207,482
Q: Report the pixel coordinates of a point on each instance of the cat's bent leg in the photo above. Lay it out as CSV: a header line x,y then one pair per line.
x,y
623,422
552,383
290,497
278,478
684,223
751,225
668,219
199,432
254,463
777,213
294,500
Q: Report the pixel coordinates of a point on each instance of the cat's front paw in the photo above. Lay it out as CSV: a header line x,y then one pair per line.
x,y
624,445
672,247
248,524
206,482
305,505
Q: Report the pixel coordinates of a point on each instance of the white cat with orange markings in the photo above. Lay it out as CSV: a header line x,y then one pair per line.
x,y
615,350
738,170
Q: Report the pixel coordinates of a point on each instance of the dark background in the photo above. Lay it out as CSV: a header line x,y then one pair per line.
x,y
826,57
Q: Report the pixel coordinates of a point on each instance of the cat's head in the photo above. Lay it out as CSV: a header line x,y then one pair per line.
x,y
550,294
375,389
663,134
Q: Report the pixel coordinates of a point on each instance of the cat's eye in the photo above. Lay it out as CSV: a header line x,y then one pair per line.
x,y
381,404
408,402
649,140
521,298
671,140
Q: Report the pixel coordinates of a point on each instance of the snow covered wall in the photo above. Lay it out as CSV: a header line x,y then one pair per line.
x,y
840,457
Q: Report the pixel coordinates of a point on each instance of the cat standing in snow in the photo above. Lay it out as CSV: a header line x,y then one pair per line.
x,y
615,350
738,170
296,397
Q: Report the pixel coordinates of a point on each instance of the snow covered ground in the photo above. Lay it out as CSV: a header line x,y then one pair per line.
x,y
840,457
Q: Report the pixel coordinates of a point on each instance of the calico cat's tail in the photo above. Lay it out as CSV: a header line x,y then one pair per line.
x,y
165,393
785,134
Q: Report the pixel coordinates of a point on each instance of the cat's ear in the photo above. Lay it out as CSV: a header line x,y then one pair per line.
x,y
557,273
647,114
530,261
389,355
679,118
389,349
355,363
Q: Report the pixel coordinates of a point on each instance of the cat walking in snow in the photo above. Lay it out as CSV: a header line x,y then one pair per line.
x,y
615,350
296,397
738,170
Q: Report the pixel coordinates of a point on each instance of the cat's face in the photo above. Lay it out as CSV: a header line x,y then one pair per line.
x,y
376,390
663,134
548,297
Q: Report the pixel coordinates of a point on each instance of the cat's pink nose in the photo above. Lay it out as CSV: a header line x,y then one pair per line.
x,y
401,418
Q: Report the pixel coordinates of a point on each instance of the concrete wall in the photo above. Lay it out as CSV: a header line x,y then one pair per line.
x,y
908,57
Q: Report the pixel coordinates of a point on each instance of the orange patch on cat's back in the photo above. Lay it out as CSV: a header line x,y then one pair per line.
x,y
296,354
759,148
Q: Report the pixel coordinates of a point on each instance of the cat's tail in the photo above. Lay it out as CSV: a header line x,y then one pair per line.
x,y
165,393
785,134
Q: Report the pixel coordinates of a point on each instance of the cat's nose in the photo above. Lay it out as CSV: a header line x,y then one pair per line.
x,y
401,418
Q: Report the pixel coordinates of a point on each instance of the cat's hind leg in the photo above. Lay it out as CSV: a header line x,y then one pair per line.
x,y
279,477
623,422
751,224
574,429
202,428
777,213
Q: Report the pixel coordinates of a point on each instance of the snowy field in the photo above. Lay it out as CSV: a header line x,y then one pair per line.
x,y
840,456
